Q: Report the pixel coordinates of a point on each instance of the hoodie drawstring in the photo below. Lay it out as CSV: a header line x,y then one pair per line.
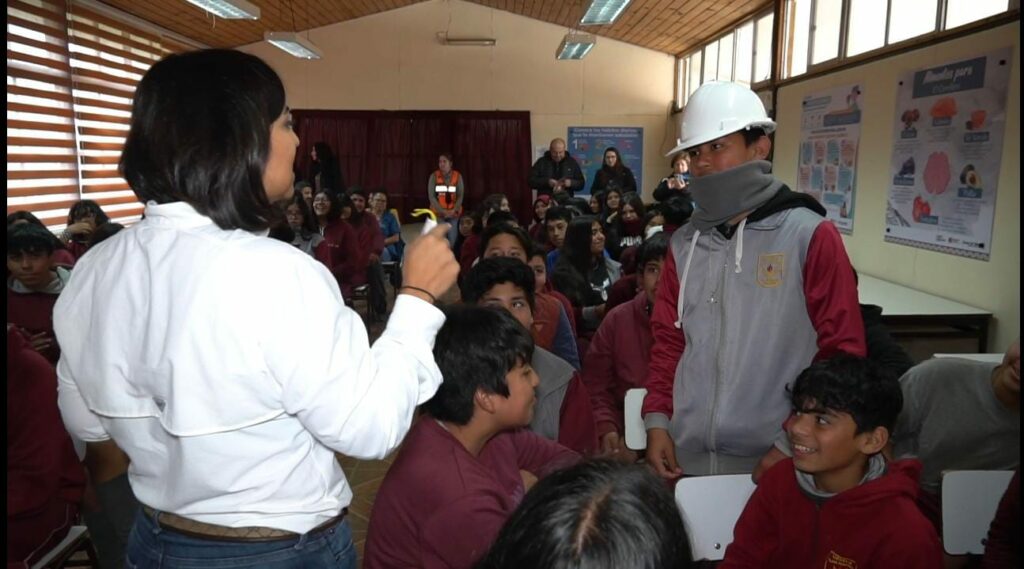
x,y
689,257
739,245
682,282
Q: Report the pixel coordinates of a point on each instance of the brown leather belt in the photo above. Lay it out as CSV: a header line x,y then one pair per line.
x,y
215,532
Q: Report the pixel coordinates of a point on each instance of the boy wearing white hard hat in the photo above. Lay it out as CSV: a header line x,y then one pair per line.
x,y
755,287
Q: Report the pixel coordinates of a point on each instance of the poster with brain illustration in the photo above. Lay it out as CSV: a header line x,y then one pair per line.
x,y
829,136
947,149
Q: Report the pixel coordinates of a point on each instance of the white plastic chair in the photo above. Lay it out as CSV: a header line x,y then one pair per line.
x,y
969,502
710,506
636,434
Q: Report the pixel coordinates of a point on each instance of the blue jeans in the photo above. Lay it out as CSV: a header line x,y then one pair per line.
x,y
151,546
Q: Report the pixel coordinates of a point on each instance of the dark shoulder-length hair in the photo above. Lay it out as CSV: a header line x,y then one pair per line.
x,y
200,133
334,213
618,159
569,274
82,208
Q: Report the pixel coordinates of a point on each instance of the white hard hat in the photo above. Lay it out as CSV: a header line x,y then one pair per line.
x,y
719,108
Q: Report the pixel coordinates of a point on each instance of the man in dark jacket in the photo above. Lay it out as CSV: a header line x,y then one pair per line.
x,y
556,170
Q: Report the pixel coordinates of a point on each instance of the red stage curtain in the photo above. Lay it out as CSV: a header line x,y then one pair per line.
x,y
398,150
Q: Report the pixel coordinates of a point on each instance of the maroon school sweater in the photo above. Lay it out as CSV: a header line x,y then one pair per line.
x,y
32,312
441,507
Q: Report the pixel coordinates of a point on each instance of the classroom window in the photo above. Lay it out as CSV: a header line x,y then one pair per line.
x,y
960,12
866,26
911,18
694,74
763,48
711,62
744,53
725,58
827,23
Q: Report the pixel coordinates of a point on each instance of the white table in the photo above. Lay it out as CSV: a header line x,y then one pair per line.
x,y
986,358
912,310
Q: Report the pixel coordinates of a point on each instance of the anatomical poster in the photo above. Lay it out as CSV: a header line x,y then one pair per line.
x,y
829,137
947,149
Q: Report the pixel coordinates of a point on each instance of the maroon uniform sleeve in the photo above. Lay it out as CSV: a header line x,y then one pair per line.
x,y
461,533
377,246
539,456
599,378
576,429
831,294
1003,546
669,342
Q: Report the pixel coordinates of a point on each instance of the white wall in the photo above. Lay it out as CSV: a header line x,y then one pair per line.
x,y
393,61
993,285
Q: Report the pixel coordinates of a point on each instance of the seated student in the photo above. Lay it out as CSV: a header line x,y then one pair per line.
x,y
338,249
84,217
598,514
626,229
390,227
959,415
61,256
304,232
33,286
538,229
467,223
551,328
457,477
369,248
494,209
617,358
45,481
584,273
563,410
837,503
538,262
556,221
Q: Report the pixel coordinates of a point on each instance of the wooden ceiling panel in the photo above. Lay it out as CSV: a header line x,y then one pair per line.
x,y
670,26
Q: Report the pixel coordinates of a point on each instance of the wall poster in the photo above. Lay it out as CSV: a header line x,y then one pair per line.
x,y
948,144
587,145
829,138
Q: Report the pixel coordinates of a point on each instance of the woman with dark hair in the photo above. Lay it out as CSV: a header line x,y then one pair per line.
x,y
537,229
596,203
611,204
446,189
676,182
339,241
613,173
226,364
83,218
325,171
61,255
599,515
626,229
300,219
584,274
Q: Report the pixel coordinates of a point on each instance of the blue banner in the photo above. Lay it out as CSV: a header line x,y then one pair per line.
x,y
588,143
952,78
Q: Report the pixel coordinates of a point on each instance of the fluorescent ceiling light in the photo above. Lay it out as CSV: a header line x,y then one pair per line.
x,y
444,38
229,9
575,46
603,12
294,44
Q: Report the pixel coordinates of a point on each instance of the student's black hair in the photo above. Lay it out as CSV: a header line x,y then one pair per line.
x,y
498,270
475,349
200,133
848,384
500,217
558,213
752,135
336,203
653,249
82,208
559,196
598,514
29,238
605,210
677,210
104,232
652,212
495,229
30,218
578,206
569,275
635,201
491,204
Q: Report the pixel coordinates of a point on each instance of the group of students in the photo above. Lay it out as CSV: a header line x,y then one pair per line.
x,y
222,370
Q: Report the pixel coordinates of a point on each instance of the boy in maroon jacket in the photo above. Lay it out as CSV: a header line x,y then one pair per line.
x,y
33,286
563,411
457,478
838,504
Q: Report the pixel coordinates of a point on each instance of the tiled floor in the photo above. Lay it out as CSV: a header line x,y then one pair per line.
x,y
365,477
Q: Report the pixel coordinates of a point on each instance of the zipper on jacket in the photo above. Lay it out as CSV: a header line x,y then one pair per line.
x,y
712,430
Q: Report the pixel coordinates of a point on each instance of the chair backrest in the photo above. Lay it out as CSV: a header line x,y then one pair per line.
x,y
636,434
969,502
710,506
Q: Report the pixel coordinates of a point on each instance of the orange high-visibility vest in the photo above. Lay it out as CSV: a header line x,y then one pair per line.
x,y
447,194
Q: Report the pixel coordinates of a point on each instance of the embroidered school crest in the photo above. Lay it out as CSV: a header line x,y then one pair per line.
x,y
769,269
836,561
